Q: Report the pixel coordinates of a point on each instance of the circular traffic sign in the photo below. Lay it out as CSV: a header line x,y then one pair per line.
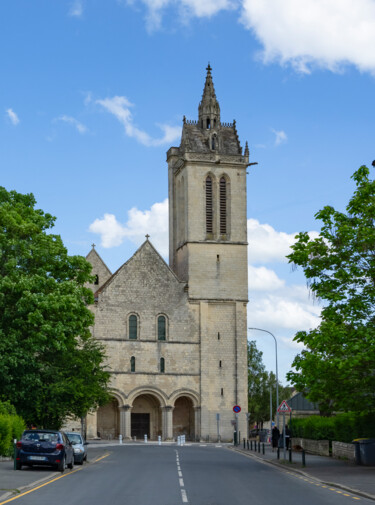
x,y
236,409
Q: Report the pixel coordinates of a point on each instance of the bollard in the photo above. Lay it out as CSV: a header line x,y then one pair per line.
x,y
251,445
120,439
258,446
135,439
278,453
159,440
303,458
290,455
145,439
15,454
263,448
247,445
244,444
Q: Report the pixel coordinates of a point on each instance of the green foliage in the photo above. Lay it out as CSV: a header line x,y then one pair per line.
x,y
259,383
343,427
11,427
336,368
50,365
7,408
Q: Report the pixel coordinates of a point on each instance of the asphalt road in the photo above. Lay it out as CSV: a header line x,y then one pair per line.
x,y
171,475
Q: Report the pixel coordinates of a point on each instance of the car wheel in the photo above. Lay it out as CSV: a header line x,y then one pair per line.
x,y
61,465
18,465
71,464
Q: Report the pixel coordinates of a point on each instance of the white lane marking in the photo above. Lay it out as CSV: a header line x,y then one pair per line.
x,y
178,467
184,496
181,482
180,474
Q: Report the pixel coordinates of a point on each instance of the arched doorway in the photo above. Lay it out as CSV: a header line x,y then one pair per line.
x,y
183,418
108,420
146,417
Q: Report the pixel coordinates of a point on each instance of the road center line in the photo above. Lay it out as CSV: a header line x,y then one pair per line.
x,y
184,497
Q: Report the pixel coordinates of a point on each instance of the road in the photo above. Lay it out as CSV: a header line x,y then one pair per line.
x,y
173,475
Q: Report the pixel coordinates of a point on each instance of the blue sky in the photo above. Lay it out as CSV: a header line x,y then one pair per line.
x,y
93,93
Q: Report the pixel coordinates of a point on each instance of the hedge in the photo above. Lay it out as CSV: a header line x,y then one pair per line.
x,y
343,427
11,427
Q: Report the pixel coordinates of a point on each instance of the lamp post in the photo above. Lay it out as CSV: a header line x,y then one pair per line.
x,y
277,373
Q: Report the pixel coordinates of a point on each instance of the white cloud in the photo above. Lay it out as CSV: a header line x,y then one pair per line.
x,y
266,244
12,116
76,9
280,137
263,279
153,222
71,120
324,33
186,8
120,106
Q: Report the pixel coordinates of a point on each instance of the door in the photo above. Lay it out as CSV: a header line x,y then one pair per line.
x,y
140,425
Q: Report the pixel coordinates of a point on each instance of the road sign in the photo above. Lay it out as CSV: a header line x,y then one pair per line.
x,y
284,407
236,409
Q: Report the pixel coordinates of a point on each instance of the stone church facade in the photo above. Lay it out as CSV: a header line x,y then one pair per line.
x,y
175,334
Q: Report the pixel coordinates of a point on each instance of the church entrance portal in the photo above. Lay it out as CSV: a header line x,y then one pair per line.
x,y
183,418
108,421
146,417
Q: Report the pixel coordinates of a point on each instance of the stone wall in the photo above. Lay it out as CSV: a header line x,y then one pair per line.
x,y
344,451
320,447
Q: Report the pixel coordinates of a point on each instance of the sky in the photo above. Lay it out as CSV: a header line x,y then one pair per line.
x,y
93,92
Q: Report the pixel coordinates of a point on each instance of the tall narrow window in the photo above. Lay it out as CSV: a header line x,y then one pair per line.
x,y
132,364
209,208
162,365
133,327
161,328
96,282
223,206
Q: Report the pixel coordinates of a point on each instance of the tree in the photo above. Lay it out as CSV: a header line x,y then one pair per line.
x,y
337,367
50,365
259,383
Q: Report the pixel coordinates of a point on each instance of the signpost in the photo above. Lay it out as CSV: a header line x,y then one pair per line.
x,y
284,408
236,410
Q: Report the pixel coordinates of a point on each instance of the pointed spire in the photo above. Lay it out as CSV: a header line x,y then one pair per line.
x,y
247,153
209,109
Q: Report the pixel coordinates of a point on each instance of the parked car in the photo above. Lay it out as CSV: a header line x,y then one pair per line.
x,y
44,447
79,447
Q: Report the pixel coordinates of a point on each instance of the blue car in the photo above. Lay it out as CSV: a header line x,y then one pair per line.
x,y
44,447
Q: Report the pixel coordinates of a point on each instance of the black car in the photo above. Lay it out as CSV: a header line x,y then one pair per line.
x,y
44,447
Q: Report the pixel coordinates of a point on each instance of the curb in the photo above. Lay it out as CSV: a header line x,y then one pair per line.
x,y
306,474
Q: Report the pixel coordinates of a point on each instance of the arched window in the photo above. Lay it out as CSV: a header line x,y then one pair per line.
x,y
161,328
96,279
132,364
208,123
209,207
223,206
162,365
133,327
213,142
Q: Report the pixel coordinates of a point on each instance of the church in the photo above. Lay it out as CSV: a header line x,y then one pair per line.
x,y
176,335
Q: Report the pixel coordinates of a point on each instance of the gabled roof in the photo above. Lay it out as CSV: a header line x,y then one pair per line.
x,y
146,244
94,253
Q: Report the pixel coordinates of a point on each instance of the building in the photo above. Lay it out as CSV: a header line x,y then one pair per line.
x,y
176,335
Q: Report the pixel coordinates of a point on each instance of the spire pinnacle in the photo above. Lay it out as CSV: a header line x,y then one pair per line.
x,y
209,109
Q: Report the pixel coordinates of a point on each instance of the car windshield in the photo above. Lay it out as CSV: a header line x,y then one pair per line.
x,y
75,438
40,436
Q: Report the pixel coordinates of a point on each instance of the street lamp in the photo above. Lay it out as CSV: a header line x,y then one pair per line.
x,y
277,373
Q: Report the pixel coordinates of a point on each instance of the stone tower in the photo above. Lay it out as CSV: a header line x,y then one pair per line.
x,y
208,249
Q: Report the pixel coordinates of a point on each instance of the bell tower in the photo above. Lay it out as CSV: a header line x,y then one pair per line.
x,y
208,250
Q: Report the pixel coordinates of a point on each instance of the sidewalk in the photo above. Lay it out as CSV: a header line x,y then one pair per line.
x,y
334,472
13,482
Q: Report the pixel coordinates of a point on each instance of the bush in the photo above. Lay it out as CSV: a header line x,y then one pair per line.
x,y
11,427
343,427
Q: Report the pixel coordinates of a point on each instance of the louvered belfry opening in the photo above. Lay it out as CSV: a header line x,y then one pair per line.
x,y
209,207
223,206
